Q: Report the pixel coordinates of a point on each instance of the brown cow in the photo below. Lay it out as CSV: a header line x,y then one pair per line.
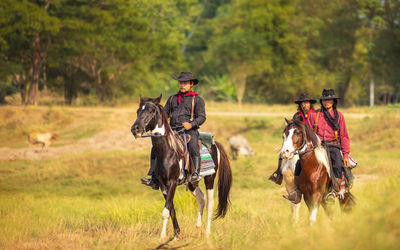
x,y
42,138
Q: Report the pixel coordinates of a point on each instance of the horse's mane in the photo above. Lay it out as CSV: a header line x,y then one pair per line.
x,y
164,117
311,136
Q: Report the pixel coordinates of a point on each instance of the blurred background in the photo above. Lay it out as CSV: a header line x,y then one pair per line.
x,y
109,52
77,68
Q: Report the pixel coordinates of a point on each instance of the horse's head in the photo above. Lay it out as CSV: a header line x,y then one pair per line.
x,y
149,116
293,138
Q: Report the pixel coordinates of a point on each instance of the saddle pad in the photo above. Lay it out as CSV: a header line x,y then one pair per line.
x,y
207,139
207,166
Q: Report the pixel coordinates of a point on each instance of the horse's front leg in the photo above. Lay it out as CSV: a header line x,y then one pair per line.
x,y
313,203
169,210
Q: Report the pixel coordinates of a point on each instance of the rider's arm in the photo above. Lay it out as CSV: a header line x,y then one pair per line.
x,y
343,136
199,113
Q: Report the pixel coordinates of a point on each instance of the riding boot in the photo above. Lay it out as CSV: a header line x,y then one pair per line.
x,y
195,178
338,189
296,195
277,175
152,180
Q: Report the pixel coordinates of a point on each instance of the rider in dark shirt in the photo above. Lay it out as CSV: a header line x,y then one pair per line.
x,y
186,110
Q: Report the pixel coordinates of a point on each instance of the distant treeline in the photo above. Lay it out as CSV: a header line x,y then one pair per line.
x,y
265,51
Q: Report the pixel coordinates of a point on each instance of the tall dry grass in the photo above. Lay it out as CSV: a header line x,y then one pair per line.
x,y
95,200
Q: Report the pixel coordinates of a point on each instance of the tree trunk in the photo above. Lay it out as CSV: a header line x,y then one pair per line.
x,y
371,93
36,67
99,87
239,77
70,91
20,82
37,59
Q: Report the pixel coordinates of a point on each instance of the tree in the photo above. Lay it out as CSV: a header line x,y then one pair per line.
x,y
26,31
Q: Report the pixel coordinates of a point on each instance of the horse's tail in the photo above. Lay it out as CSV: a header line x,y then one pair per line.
x,y
348,202
224,183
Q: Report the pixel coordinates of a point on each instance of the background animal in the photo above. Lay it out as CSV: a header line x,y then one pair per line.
x,y
44,139
239,144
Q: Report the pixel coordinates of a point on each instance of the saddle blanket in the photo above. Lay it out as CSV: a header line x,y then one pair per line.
x,y
207,166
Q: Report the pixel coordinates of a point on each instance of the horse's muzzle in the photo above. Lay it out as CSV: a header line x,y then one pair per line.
x,y
286,154
135,129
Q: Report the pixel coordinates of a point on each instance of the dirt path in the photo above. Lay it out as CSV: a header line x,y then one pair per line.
x,y
117,139
102,141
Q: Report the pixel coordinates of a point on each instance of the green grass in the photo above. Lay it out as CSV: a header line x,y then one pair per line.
x,y
95,200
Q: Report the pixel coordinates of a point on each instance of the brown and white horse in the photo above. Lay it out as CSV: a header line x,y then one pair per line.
x,y
314,180
169,169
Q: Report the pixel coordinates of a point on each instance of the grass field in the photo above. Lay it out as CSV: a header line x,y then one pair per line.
x,y
89,197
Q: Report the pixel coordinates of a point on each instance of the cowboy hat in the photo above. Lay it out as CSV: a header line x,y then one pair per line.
x,y
328,94
186,76
304,97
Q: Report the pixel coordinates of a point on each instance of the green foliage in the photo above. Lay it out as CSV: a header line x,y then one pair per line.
x,y
264,51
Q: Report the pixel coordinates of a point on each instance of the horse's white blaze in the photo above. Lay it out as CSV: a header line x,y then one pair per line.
x,y
200,200
287,147
158,129
165,216
210,208
313,215
143,107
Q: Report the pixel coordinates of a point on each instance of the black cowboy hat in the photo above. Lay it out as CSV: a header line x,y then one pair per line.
x,y
328,94
186,76
305,98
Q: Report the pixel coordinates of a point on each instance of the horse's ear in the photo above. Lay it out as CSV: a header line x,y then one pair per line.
x,y
141,100
158,99
286,122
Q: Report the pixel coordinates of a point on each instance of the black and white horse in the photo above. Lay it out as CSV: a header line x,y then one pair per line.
x,y
170,170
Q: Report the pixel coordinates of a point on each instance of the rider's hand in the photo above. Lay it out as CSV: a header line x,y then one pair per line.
x,y
346,162
187,125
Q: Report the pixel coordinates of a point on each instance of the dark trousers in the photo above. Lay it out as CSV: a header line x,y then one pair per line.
x,y
336,161
193,146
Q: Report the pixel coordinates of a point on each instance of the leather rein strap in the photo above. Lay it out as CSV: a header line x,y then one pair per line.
x,y
191,116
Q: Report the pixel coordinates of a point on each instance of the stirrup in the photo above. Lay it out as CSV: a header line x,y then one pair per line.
x,y
276,178
146,179
330,196
293,197
195,178
150,182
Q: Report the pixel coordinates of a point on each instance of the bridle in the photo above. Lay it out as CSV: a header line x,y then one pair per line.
x,y
298,151
149,134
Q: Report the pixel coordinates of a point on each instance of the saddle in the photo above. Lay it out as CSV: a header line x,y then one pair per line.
x,y
205,139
